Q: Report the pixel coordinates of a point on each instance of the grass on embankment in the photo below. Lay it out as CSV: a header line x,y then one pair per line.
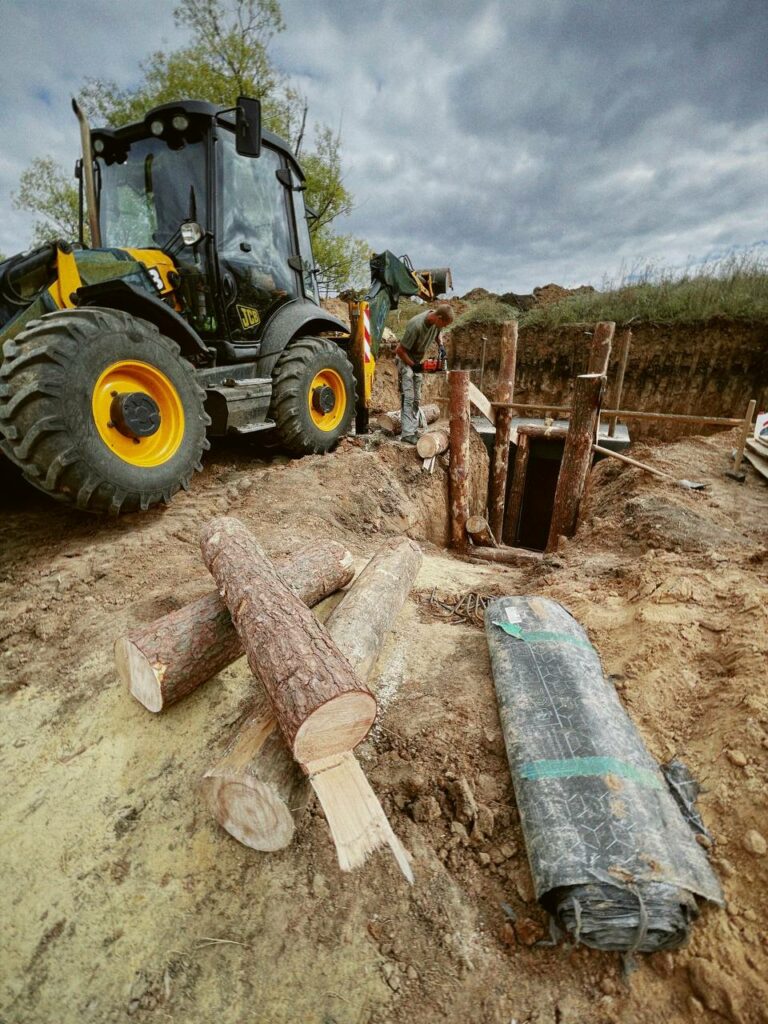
x,y
735,288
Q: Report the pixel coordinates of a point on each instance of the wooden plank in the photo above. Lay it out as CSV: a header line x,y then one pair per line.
x,y
481,403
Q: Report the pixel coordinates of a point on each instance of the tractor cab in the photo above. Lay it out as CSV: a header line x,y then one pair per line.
x,y
224,202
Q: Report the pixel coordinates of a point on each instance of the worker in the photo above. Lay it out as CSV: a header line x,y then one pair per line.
x,y
420,331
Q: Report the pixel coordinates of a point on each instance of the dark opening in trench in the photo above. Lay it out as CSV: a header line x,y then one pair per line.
x,y
532,527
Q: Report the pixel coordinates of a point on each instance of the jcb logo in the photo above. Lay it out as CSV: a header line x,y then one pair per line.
x,y
249,317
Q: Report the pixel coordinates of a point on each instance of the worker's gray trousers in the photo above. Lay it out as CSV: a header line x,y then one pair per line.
x,y
410,396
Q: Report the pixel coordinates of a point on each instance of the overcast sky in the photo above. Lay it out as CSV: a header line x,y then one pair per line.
x,y
519,143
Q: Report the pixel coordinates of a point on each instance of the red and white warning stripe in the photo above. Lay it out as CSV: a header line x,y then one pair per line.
x,y
367,335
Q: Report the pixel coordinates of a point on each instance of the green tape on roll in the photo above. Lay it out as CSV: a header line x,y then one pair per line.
x,y
542,636
585,766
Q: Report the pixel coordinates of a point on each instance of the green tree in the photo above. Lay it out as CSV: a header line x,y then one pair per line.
x,y
227,56
47,190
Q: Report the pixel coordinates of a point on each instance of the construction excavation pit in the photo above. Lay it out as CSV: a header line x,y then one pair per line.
x,y
469,730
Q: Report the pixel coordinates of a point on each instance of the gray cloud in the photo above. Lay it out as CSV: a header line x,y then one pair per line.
x,y
518,143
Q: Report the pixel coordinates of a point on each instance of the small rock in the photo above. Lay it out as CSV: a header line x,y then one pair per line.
x,y
245,485
412,973
459,830
426,808
737,757
696,1007
319,886
464,800
507,851
755,843
496,855
608,985
529,931
484,859
483,828
704,840
507,934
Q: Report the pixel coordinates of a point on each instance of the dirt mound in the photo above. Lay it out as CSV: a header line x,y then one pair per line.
x,y
547,294
122,897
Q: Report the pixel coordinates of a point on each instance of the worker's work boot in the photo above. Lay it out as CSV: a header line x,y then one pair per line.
x,y
408,438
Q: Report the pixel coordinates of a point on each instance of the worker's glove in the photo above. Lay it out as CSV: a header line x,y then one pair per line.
x,y
418,368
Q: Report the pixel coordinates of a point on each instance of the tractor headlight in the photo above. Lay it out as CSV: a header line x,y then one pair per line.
x,y
98,146
180,123
191,232
157,127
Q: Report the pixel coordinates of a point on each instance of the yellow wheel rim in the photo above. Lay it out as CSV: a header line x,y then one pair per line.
x,y
124,377
327,378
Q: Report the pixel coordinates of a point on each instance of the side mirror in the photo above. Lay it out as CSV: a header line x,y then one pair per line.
x,y
248,126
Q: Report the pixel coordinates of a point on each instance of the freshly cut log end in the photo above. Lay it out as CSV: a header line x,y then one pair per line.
x,y
249,810
480,532
144,679
434,442
335,727
256,787
355,817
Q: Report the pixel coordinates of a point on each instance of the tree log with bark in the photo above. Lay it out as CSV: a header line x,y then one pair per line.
x,y
169,658
321,706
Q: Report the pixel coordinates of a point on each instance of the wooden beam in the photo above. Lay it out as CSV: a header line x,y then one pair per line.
x,y
577,457
630,414
507,555
390,422
481,403
745,432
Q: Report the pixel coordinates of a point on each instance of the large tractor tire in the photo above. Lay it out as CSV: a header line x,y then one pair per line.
x,y
99,409
313,395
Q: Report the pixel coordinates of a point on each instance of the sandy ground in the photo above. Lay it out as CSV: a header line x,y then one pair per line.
x,y
123,899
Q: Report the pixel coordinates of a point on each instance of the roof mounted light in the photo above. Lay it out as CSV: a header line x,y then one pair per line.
x,y
157,127
180,122
98,145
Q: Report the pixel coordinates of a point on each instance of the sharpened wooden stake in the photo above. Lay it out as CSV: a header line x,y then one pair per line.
x,y
169,658
322,708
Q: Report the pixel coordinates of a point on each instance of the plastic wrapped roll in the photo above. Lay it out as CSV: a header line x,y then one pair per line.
x,y
612,858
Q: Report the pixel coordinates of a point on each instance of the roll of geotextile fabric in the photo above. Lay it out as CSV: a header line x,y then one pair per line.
x,y
613,860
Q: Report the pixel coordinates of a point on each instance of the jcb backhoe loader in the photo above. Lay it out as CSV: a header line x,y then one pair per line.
x,y
194,312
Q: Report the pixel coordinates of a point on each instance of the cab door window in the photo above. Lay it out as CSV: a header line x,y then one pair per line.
x,y
254,237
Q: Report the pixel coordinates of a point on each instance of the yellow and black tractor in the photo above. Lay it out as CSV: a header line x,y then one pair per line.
x,y
194,312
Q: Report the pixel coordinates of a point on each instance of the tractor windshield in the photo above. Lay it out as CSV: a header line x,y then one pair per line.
x,y
146,196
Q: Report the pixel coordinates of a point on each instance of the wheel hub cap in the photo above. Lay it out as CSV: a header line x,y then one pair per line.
x,y
135,414
323,399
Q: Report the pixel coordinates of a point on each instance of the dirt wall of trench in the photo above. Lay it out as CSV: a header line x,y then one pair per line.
x,y
708,369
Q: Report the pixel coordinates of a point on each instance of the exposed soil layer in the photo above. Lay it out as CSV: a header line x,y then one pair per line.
x,y
708,369
123,899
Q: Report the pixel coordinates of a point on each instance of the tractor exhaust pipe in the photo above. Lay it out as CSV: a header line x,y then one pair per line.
x,y
90,180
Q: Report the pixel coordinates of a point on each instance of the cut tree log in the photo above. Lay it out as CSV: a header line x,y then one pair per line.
x,y
256,790
479,532
391,422
517,490
458,470
506,555
434,442
320,705
169,658
577,457
505,392
322,708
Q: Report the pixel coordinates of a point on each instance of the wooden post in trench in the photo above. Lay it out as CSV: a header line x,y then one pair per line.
x,y
577,457
505,392
458,389
624,346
